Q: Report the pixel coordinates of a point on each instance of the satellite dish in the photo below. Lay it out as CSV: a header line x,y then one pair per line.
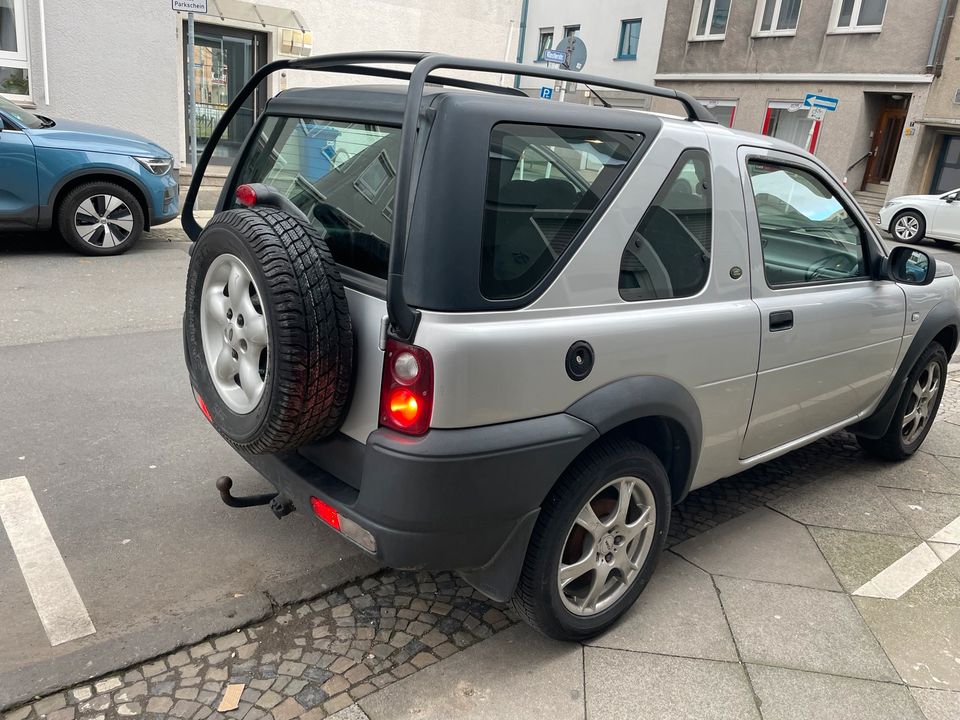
x,y
576,52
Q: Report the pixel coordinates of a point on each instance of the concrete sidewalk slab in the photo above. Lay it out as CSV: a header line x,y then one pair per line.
x,y
943,440
678,613
516,674
927,512
801,628
921,472
937,704
761,545
625,686
845,501
796,695
922,642
859,557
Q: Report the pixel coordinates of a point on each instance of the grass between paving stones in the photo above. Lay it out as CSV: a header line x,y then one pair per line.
x,y
310,660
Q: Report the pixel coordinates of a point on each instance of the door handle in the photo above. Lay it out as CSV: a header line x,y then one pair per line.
x,y
781,320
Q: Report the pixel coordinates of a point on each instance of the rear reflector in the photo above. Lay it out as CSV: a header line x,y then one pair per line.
x,y
326,513
203,406
344,525
246,195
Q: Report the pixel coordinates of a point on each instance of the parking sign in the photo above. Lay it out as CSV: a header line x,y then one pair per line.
x,y
546,92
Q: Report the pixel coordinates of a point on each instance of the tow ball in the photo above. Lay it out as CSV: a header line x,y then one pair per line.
x,y
279,505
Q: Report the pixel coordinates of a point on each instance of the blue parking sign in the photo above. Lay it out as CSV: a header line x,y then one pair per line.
x,y
546,92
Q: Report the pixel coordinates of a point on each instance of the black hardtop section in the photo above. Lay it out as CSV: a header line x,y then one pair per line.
x,y
442,267
370,103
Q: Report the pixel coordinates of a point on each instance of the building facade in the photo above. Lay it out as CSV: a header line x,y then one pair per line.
x,y
123,63
622,39
755,61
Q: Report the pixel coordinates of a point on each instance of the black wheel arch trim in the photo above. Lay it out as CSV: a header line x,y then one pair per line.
x,y
94,173
646,396
944,315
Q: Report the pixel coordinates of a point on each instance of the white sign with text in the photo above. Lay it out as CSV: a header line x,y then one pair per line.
x,y
194,6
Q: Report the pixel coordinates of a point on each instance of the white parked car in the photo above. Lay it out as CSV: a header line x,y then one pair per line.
x,y
913,217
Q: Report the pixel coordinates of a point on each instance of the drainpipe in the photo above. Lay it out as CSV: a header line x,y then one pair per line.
x,y
43,54
940,33
523,36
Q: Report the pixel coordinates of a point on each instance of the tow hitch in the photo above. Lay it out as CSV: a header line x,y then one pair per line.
x,y
279,505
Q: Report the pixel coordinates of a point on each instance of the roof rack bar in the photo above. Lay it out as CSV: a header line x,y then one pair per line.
x,y
403,318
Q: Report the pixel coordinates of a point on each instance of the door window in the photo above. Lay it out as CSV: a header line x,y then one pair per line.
x,y
806,233
668,255
947,174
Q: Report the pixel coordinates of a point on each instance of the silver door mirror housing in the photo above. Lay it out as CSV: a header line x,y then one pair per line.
x,y
910,266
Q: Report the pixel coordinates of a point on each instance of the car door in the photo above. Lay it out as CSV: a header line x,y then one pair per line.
x,y
946,216
19,198
830,333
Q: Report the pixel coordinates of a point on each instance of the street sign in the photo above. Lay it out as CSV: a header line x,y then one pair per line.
x,y
194,6
555,56
817,113
546,92
821,101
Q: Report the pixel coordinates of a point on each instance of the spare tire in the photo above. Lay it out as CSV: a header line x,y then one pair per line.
x,y
267,332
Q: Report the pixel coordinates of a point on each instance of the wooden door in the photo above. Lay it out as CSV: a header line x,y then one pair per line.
x,y
886,142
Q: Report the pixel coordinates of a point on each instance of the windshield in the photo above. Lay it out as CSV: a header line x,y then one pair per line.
x,y
24,117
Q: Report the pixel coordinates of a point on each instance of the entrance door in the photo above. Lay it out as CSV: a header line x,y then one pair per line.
x,y
886,142
946,177
223,61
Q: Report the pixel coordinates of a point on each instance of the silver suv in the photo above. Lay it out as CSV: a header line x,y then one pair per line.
x,y
474,330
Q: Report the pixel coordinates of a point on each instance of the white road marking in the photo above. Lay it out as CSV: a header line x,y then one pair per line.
x,y
54,595
892,582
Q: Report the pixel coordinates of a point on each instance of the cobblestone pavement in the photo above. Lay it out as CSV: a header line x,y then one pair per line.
x,y
315,659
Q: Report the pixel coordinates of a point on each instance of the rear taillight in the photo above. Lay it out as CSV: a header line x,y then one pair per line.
x,y
246,195
406,391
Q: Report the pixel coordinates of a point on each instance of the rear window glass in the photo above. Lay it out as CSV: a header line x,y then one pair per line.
x,y
543,184
341,174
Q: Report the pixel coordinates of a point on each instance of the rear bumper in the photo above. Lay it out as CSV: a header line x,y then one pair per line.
x,y
462,500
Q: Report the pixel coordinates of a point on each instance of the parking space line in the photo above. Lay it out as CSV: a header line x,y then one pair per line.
x,y
892,582
54,595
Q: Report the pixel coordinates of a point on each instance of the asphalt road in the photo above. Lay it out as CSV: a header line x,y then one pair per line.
x,y
97,414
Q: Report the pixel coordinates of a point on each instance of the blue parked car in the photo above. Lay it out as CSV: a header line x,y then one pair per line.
x,y
102,188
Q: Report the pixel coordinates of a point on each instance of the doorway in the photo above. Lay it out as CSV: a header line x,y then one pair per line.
x,y
223,60
886,141
946,175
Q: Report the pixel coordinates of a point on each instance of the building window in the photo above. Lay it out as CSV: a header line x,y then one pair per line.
x,y
545,43
709,19
789,121
668,254
14,60
629,39
723,110
571,31
777,17
858,15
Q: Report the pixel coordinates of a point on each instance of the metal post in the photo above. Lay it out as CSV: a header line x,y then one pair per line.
x,y
191,100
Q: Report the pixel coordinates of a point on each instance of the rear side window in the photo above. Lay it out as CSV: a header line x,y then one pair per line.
x,y
341,174
668,255
543,184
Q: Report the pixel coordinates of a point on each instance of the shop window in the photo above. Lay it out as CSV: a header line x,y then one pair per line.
x,y
14,60
723,110
790,122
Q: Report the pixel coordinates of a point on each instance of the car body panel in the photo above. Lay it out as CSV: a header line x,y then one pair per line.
x,y
19,195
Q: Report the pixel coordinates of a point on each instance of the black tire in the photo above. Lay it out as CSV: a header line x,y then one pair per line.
x,y
309,367
893,445
922,225
119,240
538,597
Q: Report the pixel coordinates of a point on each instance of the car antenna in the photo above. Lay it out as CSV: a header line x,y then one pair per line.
x,y
597,95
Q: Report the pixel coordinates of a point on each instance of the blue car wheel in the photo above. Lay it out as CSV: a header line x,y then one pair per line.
x,y
100,218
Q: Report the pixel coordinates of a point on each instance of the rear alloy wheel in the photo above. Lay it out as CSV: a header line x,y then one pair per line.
x,y
596,542
100,218
909,227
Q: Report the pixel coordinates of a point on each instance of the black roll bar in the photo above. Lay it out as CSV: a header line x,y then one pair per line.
x,y
403,318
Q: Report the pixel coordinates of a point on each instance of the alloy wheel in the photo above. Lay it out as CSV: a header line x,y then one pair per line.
x,y
906,228
233,329
103,221
922,403
606,546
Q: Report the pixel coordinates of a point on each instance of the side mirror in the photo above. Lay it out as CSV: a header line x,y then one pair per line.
x,y
910,266
951,198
